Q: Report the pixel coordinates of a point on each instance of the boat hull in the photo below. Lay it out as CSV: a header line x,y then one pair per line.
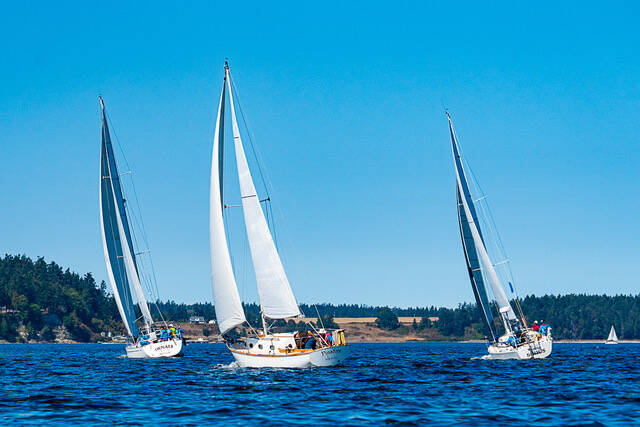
x,y
539,349
169,348
322,357
611,342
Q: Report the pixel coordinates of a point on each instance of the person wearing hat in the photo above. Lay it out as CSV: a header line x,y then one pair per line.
x,y
535,326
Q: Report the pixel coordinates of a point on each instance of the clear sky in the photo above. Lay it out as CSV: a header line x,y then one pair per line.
x,y
345,103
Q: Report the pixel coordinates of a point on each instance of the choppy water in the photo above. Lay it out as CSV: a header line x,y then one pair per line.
x,y
414,383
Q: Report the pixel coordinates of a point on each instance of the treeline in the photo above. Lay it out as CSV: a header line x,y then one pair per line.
x,y
43,301
37,298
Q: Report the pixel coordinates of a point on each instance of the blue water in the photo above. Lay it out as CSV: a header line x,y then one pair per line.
x,y
414,383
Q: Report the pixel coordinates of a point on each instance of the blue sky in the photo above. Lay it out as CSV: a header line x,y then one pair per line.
x,y
345,103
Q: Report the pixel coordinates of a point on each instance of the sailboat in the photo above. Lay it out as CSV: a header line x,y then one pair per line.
x,y
612,338
517,341
150,340
261,349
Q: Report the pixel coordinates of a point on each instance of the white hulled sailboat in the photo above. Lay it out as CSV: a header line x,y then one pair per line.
x,y
613,337
262,349
518,341
151,340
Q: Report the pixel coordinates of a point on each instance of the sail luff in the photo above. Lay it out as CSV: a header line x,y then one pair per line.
x,y
111,237
229,312
276,297
469,211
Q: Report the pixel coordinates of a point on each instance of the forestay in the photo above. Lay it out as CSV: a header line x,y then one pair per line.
x,y
116,237
467,211
276,297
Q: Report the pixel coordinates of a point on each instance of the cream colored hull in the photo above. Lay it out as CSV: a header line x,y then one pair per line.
x,y
611,342
323,357
170,348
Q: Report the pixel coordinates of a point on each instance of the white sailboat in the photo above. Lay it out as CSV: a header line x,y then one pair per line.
x,y
151,340
613,337
517,341
261,349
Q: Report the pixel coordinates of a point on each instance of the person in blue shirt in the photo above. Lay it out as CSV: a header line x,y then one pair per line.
x,y
543,328
180,332
164,335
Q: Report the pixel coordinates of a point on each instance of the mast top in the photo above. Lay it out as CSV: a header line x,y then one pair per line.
x,y
226,64
101,102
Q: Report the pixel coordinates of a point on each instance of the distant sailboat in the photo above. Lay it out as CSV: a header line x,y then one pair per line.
x,y
263,349
518,341
122,266
613,338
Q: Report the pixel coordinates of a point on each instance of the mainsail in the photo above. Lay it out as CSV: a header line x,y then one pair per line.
x,y
612,335
116,237
276,297
229,311
478,260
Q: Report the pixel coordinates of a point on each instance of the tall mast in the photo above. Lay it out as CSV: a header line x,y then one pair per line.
x,y
120,232
229,312
476,244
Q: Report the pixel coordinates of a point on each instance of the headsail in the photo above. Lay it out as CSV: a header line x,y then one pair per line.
x,y
229,312
116,236
276,297
612,335
478,260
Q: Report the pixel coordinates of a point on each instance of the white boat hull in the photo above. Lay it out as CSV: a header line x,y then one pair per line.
x,y
322,357
169,348
611,342
537,349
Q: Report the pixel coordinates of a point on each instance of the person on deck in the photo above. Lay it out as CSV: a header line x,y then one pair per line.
x,y
543,328
164,335
180,332
535,326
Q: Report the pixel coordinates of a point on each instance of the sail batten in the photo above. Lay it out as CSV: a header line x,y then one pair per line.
x,y
276,297
229,312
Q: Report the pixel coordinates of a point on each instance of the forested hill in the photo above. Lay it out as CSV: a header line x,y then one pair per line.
x,y
41,301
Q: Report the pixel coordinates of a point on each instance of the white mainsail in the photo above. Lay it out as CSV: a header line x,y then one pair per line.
x,y
276,297
229,312
612,335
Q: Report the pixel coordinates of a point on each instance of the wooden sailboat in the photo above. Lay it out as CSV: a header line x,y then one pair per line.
x,y
613,337
147,340
517,340
261,349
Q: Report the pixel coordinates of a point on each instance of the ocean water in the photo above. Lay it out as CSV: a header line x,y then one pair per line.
x,y
408,384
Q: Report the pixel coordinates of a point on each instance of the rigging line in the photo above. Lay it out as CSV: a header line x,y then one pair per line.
x,y
130,169
264,175
138,218
253,147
